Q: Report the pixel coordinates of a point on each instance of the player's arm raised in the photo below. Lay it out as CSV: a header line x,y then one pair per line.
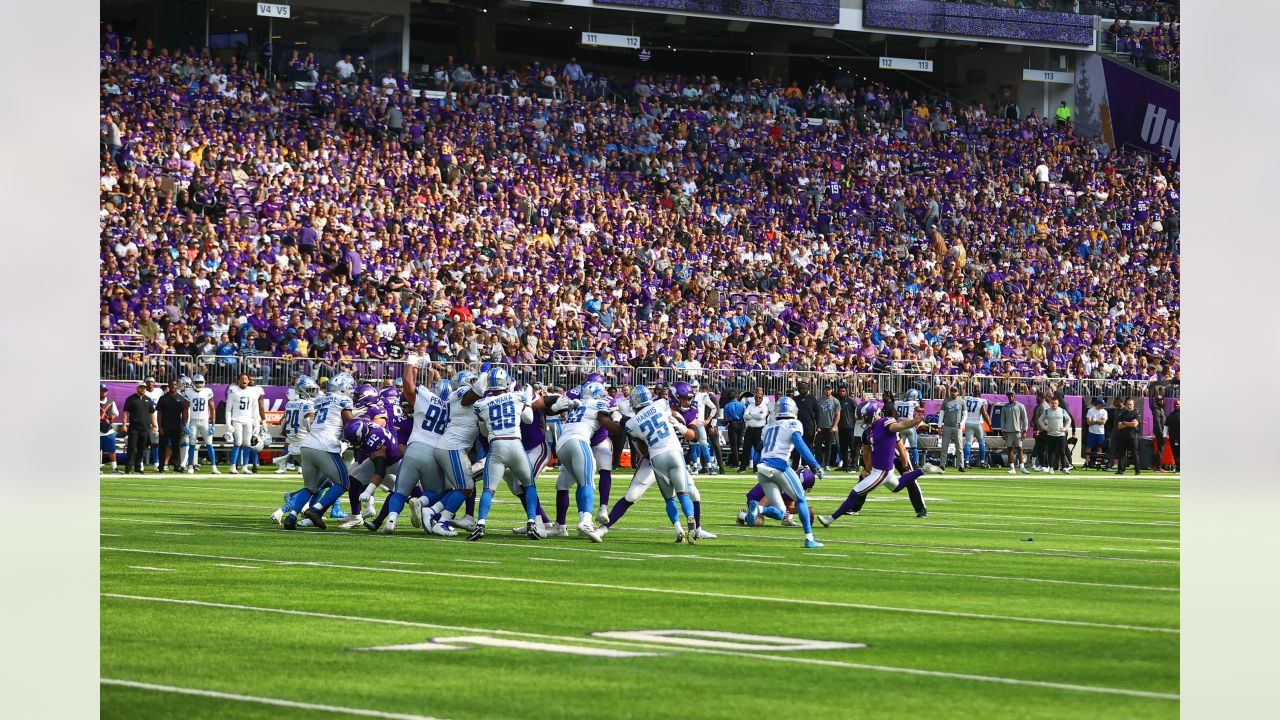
x,y
907,424
607,422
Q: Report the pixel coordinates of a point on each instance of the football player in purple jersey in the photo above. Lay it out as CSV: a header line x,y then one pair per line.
x,y
880,448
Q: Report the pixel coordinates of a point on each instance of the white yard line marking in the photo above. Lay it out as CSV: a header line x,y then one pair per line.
x,y
813,554
398,562
239,567
246,532
550,559
148,567
752,656
949,552
1170,548
1123,549
264,700
674,591
840,568
482,562
108,535
606,556
165,532
763,557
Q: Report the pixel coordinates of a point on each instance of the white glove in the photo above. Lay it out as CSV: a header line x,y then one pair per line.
x,y
481,385
367,495
565,403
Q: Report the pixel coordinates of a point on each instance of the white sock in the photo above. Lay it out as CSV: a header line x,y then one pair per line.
x,y
679,528
392,516
437,508
113,464
808,536
446,516
584,517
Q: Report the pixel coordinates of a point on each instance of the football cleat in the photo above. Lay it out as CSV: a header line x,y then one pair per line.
x,y
216,471
316,518
278,516
813,545
753,512
603,516
336,512
290,521
531,531
476,534
557,530
305,523
233,470
932,469
1024,470
466,522
922,514
520,530
444,529
191,469
1013,470
680,535
586,530
826,520
415,511
704,535
280,470
691,536
789,520
389,527
742,517
352,522
366,506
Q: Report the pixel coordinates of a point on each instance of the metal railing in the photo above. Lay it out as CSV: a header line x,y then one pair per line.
x,y
269,370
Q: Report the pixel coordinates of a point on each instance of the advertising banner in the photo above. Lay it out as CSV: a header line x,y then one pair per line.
x,y
1127,108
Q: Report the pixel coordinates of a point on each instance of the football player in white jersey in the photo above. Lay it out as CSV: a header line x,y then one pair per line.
x,y
775,474
977,414
418,478
909,408
582,417
322,453
701,447
154,393
298,414
452,462
244,407
658,433
500,413
199,423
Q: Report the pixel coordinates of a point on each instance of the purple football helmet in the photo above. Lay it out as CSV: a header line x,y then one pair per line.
x,y
869,410
683,392
355,431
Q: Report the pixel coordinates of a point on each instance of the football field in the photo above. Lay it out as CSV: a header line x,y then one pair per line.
x,y
1027,596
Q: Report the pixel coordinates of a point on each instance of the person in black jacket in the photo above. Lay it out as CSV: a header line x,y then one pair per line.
x,y
171,417
1155,401
138,419
1127,425
807,414
1173,424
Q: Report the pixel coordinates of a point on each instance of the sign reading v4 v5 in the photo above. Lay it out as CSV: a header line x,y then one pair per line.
x,y
273,10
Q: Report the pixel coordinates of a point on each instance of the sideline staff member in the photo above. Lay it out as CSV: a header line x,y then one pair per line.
x,y
138,418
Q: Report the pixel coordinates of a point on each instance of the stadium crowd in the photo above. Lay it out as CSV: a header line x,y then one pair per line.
x,y
1155,49
681,221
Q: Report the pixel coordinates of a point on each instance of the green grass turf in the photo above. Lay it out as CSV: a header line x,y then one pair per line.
x,y
1066,581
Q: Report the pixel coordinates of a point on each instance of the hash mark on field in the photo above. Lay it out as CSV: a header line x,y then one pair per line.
x,y
397,562
1169,548
1122,549
148,567
949,552
481,562
762,557
245,532
108,535
877,552
621,557
550,559
238,567
167,532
